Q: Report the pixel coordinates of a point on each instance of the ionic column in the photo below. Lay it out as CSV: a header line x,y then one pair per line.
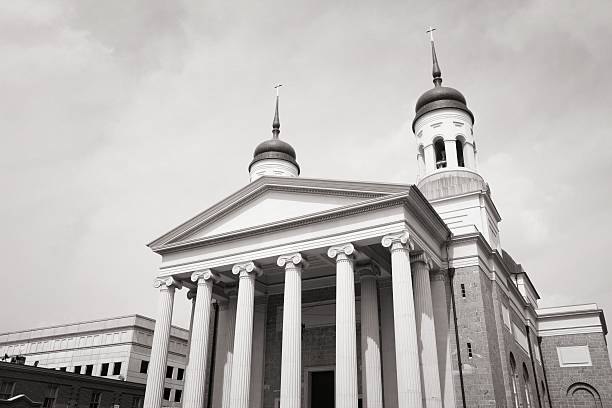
x,y
370,339
161,337
222,387
406,343
291,359
427,331
346,328
443,338
195,376
243,334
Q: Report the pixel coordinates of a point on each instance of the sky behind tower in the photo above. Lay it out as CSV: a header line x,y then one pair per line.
x,y
119,120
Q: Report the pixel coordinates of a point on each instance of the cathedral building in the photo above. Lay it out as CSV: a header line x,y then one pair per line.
x,y
321,293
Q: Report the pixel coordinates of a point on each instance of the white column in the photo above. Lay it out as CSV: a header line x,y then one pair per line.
x,y
161,337
451,153
427,331
387,334
191,295
243,335
406,343
346,327
443,338
222,386
258,352
291,360
195,376
370,339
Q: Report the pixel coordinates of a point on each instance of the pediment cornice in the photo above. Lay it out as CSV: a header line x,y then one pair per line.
x,y
259,187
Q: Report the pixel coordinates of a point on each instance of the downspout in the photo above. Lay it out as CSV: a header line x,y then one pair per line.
x,y
533,367
451,275
545,376
213,352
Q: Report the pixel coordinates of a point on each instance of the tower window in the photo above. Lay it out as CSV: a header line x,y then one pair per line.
x,y
440,153
462,290
469,348
459,147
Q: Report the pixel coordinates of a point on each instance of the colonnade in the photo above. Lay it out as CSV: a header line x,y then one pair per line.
x,y
417,373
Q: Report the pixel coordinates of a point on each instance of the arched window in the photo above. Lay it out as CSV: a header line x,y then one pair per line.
x,y
440,153
459,147
527,386
514,379
583,395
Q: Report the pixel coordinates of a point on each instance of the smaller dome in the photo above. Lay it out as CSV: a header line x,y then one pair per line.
x,y
440,97
274,149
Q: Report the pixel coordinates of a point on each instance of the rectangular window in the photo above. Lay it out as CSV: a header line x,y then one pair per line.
x,y
117,368
89,369
77,369
177,395
166,394
469,348
144,366
6,389
49,401
63,368
94,402
462,290
104,370
169,371
180,373
136,402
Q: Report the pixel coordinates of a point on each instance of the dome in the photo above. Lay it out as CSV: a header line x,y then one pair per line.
x,y
440,97
274,149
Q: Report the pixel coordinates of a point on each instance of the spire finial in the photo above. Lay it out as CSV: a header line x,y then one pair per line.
x,y
276,121
437,74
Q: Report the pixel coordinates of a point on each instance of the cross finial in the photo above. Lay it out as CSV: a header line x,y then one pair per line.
x,y
276,87
430,32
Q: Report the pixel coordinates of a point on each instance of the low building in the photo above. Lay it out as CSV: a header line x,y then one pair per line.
x,y
116,348
50,388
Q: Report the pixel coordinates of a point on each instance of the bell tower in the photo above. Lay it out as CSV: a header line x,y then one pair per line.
x,y
447,163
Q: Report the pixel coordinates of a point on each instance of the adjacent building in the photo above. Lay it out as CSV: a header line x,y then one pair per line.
x,y
117,348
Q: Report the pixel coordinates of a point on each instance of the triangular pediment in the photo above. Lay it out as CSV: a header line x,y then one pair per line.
x,y
271,200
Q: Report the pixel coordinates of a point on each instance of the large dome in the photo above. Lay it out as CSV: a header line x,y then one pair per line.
x,y
440,97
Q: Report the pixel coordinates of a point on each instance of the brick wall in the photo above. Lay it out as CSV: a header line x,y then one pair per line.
x,y
597,376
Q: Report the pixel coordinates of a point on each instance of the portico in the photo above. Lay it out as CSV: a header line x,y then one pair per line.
x,y
302,248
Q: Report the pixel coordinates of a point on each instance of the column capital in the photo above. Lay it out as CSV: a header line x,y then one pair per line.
x,y
167,283
342,251
203,276
422,257
295,259
438,275
368,271
246,269
398,240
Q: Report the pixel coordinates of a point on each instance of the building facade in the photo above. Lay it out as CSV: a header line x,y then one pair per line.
x,y
338,293
117,348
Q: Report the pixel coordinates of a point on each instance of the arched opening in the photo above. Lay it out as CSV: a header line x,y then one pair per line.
x,y
583,395
440,151
514,379
459,142
527,388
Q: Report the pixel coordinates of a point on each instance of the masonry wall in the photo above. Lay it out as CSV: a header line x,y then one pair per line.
x,y
587,381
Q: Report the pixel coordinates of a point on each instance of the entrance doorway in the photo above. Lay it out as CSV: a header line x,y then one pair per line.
x,y
321,389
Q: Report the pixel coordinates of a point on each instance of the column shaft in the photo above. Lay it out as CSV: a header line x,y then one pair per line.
x,y
291,360
406,343
222,386
195,377
346,328
159,349
243,338
443,339
370,343
427,335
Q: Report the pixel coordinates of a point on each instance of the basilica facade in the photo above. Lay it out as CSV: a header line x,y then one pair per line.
x,y
321,293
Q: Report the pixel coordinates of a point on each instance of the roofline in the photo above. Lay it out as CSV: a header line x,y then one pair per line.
x,y
85,322
598,310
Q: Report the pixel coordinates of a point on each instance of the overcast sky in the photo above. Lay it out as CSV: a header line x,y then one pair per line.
x,y
121,119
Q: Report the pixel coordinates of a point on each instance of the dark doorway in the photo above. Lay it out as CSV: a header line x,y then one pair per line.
x,y
322,389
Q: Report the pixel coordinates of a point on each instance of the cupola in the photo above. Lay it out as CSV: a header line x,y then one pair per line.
x,y
274,157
